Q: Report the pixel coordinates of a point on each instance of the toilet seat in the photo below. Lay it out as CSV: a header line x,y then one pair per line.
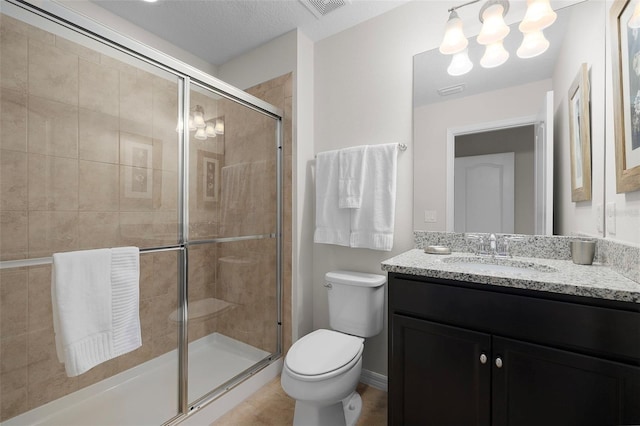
x,y
323,354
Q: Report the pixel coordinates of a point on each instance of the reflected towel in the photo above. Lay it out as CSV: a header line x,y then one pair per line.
x,y
373,223
95,297
332,222
351,181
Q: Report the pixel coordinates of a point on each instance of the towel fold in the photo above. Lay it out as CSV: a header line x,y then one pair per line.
x,y
351,181
373,223
332,222
95,297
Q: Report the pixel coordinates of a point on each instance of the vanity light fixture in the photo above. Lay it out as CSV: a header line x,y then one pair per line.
x,y
454,40
203,129
494,29
539,15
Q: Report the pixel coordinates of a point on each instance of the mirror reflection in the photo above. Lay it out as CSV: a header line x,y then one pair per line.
x,y
492,145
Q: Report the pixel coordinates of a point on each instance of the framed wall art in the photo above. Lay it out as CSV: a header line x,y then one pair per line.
x,y
626,94
580,136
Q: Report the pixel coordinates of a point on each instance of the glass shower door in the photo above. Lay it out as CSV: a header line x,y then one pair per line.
x,y
232,250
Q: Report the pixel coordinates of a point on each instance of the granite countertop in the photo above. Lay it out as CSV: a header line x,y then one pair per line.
x,y
550,275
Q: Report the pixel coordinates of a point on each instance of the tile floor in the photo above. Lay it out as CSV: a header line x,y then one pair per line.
x,y
272,407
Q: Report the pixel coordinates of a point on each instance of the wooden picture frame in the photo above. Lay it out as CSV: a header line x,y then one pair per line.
x,y
626,96
580,136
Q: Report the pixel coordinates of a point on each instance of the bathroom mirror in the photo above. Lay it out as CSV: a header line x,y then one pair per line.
x,y
509,109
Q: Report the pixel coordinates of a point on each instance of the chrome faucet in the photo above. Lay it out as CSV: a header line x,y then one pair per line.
x,y
491,245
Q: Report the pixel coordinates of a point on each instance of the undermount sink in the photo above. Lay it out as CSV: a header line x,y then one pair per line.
x,y
495,264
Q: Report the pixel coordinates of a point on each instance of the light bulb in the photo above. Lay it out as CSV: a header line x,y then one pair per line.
x,y
533,44
539,16
200,134
494,55
454,39
460,64
494,28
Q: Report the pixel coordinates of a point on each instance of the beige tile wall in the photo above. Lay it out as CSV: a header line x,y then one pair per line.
x,y
96,126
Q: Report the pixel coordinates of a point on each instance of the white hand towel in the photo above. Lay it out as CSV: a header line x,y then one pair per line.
x,y
372,224
95,296
351,181
332,222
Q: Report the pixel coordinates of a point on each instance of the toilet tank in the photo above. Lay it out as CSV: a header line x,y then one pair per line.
x,y
356,302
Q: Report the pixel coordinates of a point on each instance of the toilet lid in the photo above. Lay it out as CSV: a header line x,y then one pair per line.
x,y
322,351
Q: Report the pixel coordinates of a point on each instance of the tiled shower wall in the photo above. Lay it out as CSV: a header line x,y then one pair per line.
x,y
88,158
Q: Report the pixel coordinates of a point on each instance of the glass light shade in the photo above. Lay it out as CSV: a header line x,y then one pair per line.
x,y
539,16
634,22
198,119
494,28
533,44
219,127
210,130
494,55
200,134
460,64
192,124
454,40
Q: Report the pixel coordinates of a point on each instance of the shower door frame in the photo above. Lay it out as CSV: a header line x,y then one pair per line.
x,y
186,75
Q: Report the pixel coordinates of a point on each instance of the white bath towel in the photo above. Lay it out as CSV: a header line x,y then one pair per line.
x,y
332,222
95,296
372,224
351,181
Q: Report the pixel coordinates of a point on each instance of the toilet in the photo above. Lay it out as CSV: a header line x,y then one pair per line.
x,y
322,369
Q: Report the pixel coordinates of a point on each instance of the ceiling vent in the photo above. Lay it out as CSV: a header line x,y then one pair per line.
x,y
446,91
322,7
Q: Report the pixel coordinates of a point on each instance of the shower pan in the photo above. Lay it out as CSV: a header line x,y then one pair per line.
x,y
104,143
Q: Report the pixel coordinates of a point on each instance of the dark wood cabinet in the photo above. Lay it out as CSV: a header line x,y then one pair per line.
x,y
460,355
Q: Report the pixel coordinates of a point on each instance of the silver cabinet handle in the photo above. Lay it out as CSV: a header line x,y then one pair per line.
x,y
483,359
499,362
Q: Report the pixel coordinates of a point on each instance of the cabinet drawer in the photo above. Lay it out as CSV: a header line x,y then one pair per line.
x,y
605,332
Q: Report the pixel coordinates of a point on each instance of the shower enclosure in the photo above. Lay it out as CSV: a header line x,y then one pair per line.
x,y
106,143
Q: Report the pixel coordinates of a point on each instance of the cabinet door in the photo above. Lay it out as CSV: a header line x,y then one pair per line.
x,y
437,376
537,385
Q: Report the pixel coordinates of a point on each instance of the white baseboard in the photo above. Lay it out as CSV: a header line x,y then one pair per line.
x,y
374,379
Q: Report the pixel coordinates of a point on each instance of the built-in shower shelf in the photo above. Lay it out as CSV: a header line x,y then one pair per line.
x,y
204,309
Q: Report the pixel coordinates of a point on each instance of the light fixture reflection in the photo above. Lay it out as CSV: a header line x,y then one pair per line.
x,y
494,28
203,128
494,55
634,22
460,64
210,130
219,127
539,16
454,39
200,134
533,44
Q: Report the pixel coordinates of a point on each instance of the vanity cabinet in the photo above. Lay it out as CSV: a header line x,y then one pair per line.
x,y
472,354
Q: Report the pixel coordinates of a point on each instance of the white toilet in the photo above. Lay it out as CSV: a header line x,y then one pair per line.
x,y
322,369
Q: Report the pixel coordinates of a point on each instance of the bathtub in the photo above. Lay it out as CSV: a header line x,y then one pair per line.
x,y
147,394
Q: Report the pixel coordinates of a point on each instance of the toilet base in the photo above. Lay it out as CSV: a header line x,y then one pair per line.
x,y
342,413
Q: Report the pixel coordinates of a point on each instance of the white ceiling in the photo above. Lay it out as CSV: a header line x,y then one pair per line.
x,y
219,30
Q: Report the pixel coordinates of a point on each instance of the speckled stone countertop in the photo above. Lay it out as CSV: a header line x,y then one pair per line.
x,y
595,280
